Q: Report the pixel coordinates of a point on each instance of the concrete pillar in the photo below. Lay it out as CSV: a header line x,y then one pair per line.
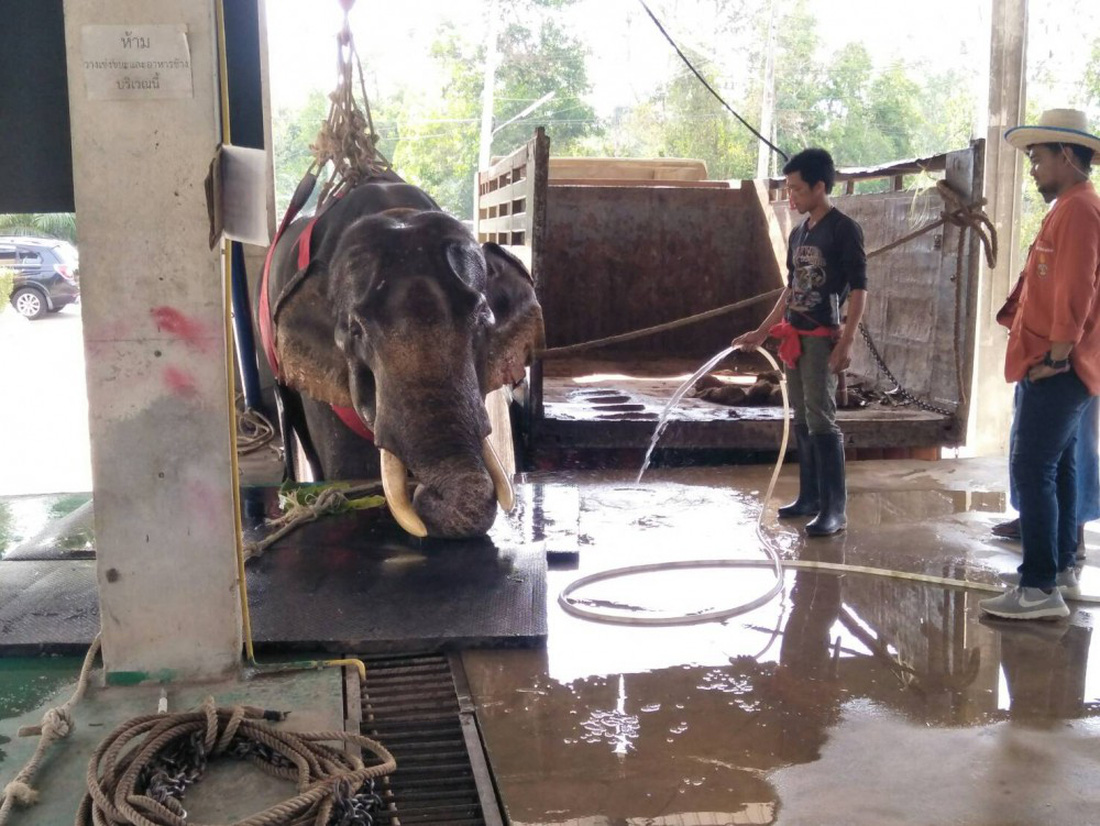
x,y
155,345
991,406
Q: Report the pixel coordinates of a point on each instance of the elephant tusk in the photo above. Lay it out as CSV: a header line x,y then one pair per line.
x,y
397,495
501,483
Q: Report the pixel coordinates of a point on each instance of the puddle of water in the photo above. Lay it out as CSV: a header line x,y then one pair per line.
x,y
22,518
705,715
26,683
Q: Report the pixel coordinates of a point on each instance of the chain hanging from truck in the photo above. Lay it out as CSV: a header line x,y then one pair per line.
x,y
347,142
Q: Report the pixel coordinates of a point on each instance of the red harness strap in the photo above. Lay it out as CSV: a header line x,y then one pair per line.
x,y
267,325
349,417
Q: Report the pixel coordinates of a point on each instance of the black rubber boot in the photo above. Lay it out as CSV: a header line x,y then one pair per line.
x,y
808,500
834,495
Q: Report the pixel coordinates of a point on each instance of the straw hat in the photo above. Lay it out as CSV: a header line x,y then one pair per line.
x,y
1055,126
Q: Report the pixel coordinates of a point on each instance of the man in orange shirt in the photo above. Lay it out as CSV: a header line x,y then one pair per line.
x,y
1053,355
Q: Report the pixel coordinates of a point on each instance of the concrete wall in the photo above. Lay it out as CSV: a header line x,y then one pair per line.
x,y
156,359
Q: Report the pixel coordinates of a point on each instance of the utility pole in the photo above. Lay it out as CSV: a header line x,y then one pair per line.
x,y
991,398
492,57
767,104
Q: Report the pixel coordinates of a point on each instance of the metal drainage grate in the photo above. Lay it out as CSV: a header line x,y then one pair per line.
x,y
419,708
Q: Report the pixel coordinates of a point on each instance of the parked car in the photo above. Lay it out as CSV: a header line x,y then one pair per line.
x,y
47,273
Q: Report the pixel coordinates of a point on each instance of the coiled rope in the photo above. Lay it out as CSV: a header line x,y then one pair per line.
x,y
254,430
138,773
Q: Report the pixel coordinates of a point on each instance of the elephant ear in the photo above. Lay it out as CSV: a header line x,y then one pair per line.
x,y
518,332
304,321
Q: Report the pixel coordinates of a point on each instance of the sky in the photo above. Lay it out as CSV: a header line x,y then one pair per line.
x,y
629,58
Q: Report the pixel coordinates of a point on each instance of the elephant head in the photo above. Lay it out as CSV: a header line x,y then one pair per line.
x,y
421,323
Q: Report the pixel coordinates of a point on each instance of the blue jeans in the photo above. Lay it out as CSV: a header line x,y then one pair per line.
x,y
1044,465
1088,464
812,386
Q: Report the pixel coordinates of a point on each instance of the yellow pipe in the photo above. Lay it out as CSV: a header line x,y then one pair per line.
x,y
231,388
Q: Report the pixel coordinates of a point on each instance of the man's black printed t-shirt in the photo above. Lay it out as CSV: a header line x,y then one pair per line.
x,y
823,264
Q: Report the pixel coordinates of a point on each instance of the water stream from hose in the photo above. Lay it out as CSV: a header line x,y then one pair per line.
x,y
677,397
767,545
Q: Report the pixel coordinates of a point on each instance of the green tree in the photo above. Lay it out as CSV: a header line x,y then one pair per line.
x,y
1091,81
435,137
799,113
695,125
946,115
292,132
60,225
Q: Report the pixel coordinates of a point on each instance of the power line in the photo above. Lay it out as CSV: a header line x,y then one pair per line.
x,y
703,80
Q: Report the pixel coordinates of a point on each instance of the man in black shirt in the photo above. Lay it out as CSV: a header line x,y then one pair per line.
x,y
826,265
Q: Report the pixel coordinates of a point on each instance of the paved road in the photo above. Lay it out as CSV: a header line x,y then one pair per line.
x,y
44,444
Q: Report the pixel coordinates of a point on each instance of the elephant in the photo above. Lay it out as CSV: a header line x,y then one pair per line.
x,y
403,322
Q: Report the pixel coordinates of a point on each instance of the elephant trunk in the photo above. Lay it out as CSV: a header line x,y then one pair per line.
x,y
455,498
460,480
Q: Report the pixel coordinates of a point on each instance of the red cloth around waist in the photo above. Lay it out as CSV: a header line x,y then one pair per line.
x,y
790,340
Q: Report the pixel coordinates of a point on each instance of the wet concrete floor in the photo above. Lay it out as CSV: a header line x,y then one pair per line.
x,y
849,699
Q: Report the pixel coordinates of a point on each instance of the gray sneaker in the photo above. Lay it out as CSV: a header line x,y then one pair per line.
x,y
1066,581
1026,604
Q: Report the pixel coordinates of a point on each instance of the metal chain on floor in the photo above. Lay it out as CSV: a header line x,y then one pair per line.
x,y
57,723
900,390
139,773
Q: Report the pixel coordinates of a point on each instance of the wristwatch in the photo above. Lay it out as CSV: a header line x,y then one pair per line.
x,y
1057,364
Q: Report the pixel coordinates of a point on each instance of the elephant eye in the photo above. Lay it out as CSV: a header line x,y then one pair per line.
x,y
483,313
356,329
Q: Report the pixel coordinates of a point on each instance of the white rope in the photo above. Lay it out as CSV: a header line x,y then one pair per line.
x,y
57,724
254,431
327,500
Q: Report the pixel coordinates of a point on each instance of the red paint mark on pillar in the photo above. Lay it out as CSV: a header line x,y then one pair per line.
x,y
205,503
172,321
180,383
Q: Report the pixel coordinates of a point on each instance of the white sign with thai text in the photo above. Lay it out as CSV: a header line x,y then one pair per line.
x,y
136,62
